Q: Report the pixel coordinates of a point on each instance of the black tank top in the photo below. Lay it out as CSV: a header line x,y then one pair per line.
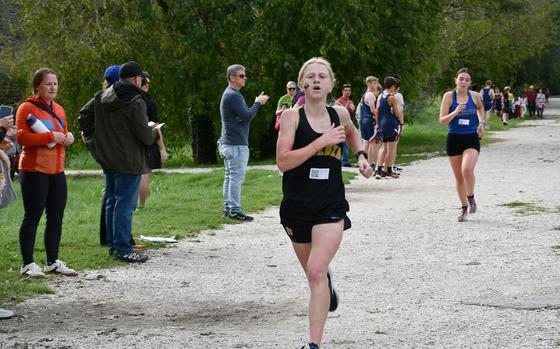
x,y
314,189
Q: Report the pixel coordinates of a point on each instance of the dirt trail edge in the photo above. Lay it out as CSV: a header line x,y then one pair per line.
x,y
408,274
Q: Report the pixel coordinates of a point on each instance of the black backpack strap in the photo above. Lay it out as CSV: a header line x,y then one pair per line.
x,y
42,106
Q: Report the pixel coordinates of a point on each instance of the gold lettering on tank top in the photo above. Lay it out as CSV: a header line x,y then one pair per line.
x,y
332,150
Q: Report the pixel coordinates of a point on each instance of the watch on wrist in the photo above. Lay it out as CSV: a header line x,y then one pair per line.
x,y
483,122
361,152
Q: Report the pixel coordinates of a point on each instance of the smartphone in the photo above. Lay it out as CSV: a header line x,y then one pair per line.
x,y
5,110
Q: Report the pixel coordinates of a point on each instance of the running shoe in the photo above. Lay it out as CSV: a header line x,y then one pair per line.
x,y
32,270
463,216
132,257
392,174
334,297
472,205
240,216
380,174
310,346
396,168
60,267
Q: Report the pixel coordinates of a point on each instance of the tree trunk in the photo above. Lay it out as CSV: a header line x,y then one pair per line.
x,y
203,139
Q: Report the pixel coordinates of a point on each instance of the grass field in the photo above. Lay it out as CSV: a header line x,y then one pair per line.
x,y
180,204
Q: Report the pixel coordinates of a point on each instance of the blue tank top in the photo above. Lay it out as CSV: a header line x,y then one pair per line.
x,y
365,110
466,122
388,121
486,97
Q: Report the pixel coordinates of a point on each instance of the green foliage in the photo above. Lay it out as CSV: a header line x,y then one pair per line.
x,y
187,45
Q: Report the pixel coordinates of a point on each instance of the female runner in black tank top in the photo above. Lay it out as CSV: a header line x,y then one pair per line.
x,y
313,211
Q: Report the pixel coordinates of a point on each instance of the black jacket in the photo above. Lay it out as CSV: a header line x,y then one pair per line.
x,y
115,127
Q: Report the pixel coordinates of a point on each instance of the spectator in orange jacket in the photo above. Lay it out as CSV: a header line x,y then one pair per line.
x,y
42,179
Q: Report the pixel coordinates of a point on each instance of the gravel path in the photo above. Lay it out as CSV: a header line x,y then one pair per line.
x,y
408,275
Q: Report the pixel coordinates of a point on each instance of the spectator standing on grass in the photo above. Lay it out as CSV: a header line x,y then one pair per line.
x,y
347,103
157,154
6,124
110,76
234,140
368,112
285,102
115,126
498,103
42,178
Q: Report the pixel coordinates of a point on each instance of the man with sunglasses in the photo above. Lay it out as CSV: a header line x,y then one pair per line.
x,y
234,140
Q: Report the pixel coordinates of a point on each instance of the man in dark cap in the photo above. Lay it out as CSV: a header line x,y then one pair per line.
x,y
115,128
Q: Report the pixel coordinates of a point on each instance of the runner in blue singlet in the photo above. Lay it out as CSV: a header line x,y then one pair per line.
x,y
463,112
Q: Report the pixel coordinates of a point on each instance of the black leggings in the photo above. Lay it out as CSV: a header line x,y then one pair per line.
x,y
41,192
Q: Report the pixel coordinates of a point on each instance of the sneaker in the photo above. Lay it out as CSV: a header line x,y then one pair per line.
x,y
239,215
472,205
32,270
310,346
132,257
396,168
334,297
60,267
226,213
380,174
392,174
463,216
5,314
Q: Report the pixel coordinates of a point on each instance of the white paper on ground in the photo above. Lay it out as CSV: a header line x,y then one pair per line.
x,y
170,239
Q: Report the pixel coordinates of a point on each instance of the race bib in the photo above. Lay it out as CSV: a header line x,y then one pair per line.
x,y
319,173
464,122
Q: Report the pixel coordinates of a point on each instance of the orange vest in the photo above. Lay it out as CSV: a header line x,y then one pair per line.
x,y
36,156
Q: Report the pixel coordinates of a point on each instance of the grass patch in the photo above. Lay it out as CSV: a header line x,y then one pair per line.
x,y
525,208
180,205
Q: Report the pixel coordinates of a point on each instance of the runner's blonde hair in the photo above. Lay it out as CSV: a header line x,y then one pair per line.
x,y
319,60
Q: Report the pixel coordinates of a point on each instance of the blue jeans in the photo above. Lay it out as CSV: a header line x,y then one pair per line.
x,y
122,196
236,158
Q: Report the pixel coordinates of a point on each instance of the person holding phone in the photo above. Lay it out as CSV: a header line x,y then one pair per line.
x,y
42,178
463,113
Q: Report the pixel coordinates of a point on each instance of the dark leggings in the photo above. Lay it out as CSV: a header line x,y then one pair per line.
x,y
42,192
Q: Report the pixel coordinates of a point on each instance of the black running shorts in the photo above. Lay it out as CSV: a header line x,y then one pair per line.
x,y
457,144
299,230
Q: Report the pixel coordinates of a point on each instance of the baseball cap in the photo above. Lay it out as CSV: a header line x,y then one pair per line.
x,y
112,74
130,70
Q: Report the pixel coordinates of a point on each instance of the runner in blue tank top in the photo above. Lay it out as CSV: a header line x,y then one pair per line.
x,y
390,119
463,112
487,98
313,209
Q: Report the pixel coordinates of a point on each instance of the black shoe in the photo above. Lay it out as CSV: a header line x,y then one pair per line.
x,y
226,213
380,174
239,215
132,257
334,296
310,346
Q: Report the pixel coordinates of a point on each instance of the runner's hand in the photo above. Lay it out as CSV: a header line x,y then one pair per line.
x,y
480,130
333,135
460,108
